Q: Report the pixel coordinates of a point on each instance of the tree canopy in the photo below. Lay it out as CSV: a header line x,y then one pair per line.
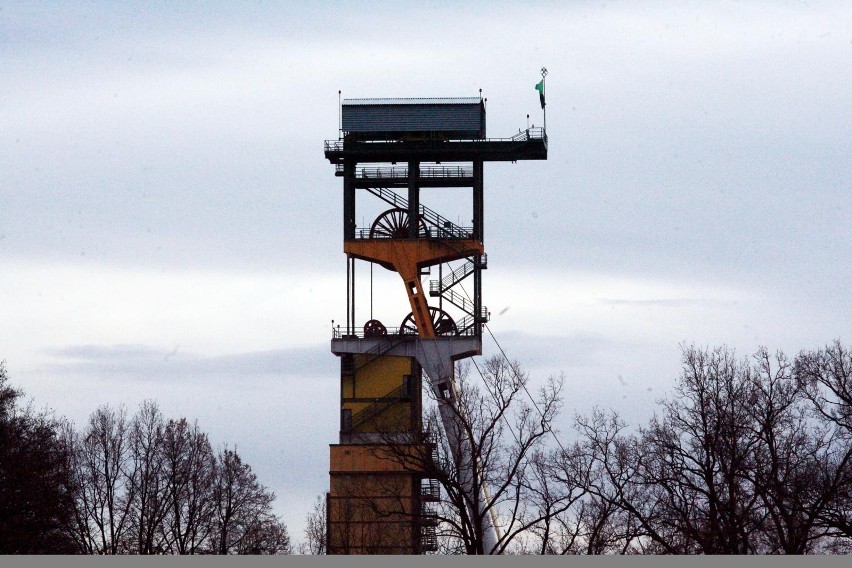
x,y
126,485
34,501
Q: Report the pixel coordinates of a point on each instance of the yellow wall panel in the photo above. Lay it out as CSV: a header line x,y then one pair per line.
x,y
381,376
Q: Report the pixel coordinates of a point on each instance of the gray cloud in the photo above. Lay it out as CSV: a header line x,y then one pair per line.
x,y
683,148
149,364
665,302
549,353
704,144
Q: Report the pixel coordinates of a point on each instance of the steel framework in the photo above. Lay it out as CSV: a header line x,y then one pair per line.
x,y
388,149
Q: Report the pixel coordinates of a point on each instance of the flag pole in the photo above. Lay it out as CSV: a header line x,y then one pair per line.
x,y
544,104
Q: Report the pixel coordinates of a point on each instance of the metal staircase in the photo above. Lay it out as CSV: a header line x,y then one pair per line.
x,y
466,325
379,406
428,529
451,279
465,305
430,496
374,354
442,228
430,490
444,288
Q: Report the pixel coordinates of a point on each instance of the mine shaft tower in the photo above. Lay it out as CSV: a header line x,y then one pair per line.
x,y
387,151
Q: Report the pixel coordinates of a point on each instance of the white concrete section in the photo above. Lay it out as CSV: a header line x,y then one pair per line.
x,y
410,346
436,356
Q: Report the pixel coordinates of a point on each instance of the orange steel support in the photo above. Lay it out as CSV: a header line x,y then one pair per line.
x,y
407,257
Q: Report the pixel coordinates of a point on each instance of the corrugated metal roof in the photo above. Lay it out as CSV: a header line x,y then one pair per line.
x,y
414,101
385,119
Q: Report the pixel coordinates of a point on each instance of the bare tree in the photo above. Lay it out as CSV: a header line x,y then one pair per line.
x,y
266,536
315,529
826,374
104,493
243,521
799,465
501,434
617,513
826,377
149,507
686,481
189,472
698,455
148,486
733,464
553,505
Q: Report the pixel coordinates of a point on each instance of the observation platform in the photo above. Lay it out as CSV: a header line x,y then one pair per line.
x,y
530,144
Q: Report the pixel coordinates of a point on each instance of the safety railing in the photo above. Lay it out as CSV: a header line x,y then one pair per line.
x,y
465,304
428,517
358,333
454,277
430,490
376,352
390,197
401,172
429,437
333,145
533,133
469,325
429,530
399,333
449,230
456,233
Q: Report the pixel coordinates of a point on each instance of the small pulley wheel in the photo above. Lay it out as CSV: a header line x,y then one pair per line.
x,y
375,328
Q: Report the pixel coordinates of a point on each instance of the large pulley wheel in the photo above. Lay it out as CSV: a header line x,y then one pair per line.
x,y
442,322
394,224
375,328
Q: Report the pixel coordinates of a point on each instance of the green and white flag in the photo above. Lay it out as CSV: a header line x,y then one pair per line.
x,y
540,88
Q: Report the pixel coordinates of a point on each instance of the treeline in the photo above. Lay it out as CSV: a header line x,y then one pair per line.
x,y
745,456
126,485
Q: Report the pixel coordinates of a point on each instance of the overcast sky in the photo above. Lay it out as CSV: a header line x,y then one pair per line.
x,y
170,229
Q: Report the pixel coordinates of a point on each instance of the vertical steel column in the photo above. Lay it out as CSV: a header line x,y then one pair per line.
x,y
348,293
477,295
352,331
413,200
348,199
478,204
479,234
349,234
